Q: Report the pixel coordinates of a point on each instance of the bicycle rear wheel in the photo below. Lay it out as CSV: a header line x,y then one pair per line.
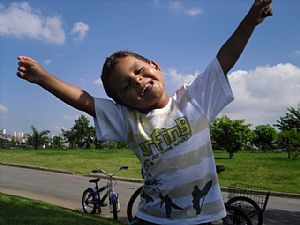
x,y
132,203
235,216
249,207
88,202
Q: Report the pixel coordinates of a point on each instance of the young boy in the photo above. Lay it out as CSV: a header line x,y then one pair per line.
x,y
170,136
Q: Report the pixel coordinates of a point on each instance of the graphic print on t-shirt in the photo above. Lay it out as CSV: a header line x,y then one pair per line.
x,y
200,194
165,139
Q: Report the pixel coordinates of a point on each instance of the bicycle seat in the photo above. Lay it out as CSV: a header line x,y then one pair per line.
x,y
94,180
220,168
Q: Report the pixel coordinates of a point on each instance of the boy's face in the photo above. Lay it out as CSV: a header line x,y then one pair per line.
x,y
139,84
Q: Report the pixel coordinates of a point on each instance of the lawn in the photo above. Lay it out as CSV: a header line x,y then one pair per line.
x,y
19,210
76,161
272,170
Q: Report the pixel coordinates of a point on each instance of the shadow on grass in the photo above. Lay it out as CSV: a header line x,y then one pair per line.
x,y
15,211
221,158
281,217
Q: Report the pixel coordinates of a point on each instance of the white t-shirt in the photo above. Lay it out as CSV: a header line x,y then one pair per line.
x,y
173,146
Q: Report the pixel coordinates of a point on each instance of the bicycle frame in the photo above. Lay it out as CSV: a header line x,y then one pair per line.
x,y
97,202
113,196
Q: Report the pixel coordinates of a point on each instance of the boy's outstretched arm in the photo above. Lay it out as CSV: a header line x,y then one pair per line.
x,y
31,71
234,46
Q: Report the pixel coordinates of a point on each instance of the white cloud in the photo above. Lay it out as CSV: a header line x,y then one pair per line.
x,y
3,109
193,12
47,62
177,7
175,79
70,117
98,82
297,52
79,31
263,95
157,3
20,20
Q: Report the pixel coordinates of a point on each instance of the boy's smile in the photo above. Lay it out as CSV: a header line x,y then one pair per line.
x,y
139,84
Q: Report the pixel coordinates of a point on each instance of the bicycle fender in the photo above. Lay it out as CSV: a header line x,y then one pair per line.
x,y
93,192
114,197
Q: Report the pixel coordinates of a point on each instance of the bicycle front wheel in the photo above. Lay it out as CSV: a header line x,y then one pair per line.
x,y
235,216
249,207
115,210
114,204
132,203
88,202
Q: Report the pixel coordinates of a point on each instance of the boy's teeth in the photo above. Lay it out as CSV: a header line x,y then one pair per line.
x,y
145,88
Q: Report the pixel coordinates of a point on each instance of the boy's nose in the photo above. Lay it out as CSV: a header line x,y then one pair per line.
x,y
138,79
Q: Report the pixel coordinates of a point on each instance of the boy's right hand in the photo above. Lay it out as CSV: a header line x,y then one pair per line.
x,y
30,70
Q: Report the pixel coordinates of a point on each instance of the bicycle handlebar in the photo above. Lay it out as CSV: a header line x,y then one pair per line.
x,y
97,171
220,168
123,168
112,174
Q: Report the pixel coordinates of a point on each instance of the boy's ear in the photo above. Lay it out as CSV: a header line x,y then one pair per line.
x,y
155,64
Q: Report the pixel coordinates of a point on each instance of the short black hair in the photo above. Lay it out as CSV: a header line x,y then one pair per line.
x,y
109,66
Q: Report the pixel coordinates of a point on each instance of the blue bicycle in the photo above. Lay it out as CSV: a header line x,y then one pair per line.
x,y
91,197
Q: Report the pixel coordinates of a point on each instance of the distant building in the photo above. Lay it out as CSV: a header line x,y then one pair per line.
x,y
15,140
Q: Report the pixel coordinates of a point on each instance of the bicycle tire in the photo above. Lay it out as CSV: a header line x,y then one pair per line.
x,y
115,210
131,202
249,207
235,216
88,202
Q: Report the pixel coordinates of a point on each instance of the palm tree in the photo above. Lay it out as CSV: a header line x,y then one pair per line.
x,y
37,138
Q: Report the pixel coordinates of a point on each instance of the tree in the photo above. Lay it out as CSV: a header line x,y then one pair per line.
x,y
37,139
69,136
290,140
289,137
264,137
231,135
84,133
110,144
57,142
291,120
81,135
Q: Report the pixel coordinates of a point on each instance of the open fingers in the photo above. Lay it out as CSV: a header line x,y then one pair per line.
x,y
267,11
263,2
264,7
25,58
21,70
20,75
23,64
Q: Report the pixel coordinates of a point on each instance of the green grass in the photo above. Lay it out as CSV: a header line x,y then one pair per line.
x,y
77,161
272,170
23,211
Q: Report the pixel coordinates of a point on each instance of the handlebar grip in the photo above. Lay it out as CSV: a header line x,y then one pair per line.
x,y
124,168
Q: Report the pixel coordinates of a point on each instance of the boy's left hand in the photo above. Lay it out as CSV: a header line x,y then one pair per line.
x,y
260,10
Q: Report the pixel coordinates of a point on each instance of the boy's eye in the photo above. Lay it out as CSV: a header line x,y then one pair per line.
x,y
140,70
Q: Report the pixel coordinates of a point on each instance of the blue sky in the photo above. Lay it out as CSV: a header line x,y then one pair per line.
x,y
71,38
